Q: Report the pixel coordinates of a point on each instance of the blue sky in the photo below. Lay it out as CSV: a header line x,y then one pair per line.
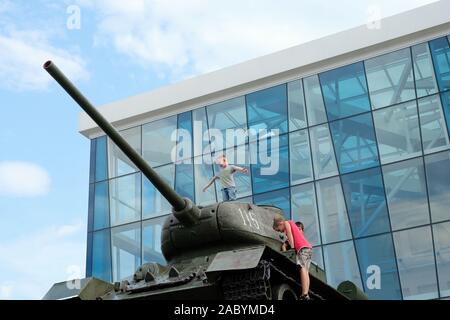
x,y
122,48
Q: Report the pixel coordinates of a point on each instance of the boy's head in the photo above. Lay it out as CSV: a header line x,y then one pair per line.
x,y
300,225
222,161
278,223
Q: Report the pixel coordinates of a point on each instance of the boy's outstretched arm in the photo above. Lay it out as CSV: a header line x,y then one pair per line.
x,y
210,183
240,169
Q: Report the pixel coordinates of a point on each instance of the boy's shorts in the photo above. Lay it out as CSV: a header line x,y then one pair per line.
x,y
304,256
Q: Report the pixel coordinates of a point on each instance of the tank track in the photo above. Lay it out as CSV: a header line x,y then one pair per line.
x,y
254,284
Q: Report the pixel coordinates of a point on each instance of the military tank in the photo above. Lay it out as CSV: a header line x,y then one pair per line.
x,y
227,250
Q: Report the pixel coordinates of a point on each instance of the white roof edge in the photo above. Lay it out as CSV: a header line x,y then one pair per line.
x,y
424,21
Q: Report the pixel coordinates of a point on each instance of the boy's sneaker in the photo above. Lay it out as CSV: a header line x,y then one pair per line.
x,y
305,297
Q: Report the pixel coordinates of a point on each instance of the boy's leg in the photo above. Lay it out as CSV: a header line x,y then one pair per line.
x,y
225,196
304,260
232,193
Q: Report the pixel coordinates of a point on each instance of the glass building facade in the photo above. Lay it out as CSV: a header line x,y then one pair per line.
x,y
364,163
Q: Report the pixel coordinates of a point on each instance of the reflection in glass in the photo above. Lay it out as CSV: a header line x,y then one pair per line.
x,y
440,51
101,255
354,142
101,206
126,250
151,241
201,134
445,96
184,182
441,234
158,142
423,70
432,125
378,252
304,209
184,147
437,167
406,193
324,160
415,259
267,109
314,101
390,78
341,264
300,157
332,211
345,91
296,106
119,164
125,199
279,199
398,132
101,159
317,257
153,203
364,193
203,172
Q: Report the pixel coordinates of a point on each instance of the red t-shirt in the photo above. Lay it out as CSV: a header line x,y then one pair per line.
x,y
299,238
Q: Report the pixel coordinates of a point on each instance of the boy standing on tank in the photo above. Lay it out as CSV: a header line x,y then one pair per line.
x,y
303,248
226,178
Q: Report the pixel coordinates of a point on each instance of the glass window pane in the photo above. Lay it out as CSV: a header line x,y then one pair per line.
x,y
184,146
377,253
415,259
119,164
101,255
158,142
317,257
322,152
446,103
201,133
126,250
125,199
267,109
423,70
101,206
203,171
270,163
153,203
300,157
230,114
440,51
354,142
341,264
151,241
364,193
314,101
398,132
279,198
304,209
406,194
101,159
437,167
441,234
345,91
332,211
184,182
432,125
296,106
390,78
238,156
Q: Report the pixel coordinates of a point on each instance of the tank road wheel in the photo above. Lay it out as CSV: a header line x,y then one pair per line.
x,y
283,291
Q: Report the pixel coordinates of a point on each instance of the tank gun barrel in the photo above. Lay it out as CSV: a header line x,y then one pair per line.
x,y
183,208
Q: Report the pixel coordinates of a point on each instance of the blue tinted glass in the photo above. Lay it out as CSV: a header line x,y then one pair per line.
x,y
158,141
390,78
446,106
101,255
304,209
296,106
184,181
270,164
91,207
89,255
437,167
317,257
279,198
415,259
322,152
126,250
366,203
376,254
101,159
440,51
314,101
345,91
184,136
354,142
300,157
341,264
267,109
151,241
423,70
119,163
125,199
101,206
153,203
203,173
441,234
92,157
200,132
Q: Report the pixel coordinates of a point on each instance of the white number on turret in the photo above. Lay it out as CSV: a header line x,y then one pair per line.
x,y
249,218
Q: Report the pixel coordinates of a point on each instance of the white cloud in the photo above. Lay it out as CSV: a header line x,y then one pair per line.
x,y
23,179
22,54
30,264
191,37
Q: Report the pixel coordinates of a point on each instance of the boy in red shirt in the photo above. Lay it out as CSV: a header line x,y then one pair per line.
x,y
302,247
